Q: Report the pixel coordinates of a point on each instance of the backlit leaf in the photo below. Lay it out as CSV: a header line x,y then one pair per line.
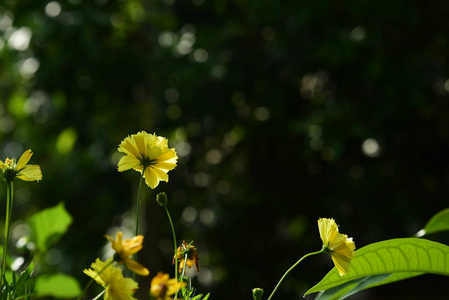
x,y
403,258
49,225
439,222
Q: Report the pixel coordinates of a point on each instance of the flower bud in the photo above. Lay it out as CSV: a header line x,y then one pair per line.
x,y
257,294
161,199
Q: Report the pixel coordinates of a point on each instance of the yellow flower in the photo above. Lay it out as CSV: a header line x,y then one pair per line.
x,y
111,278
147,153
187,251
125,248
338,245
12,168
162,287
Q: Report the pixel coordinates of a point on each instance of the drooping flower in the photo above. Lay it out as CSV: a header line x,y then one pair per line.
x,y
111,278
187,251
147,153
337,245
126,248
19,169
162,287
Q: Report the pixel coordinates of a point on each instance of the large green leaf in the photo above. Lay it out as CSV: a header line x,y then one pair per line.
x,y
57,285
404,258
439,222
349,288
49,225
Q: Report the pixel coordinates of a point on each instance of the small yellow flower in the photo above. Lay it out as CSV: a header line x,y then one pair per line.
x,y
19,169
111,278
162,287
126,248
189,251
147,153
338,245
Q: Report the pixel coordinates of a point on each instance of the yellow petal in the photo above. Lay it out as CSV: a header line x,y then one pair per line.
x,y
92,274
161,142
342,263
131,246
151,179
127,162
140,143
136,267
121,290
155,152
128,146
160,174
30,173
24,159
168,156
164,166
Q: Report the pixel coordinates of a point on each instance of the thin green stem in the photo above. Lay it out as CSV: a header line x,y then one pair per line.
x,y
9,202
174,242
183,273
139,203
291,268
92,279
99,295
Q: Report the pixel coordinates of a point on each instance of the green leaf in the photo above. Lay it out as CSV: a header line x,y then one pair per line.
x,y
58,286
439,222
404,258
350,288
49,225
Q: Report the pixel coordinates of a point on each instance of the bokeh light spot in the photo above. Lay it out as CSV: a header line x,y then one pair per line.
x,y
214,156
358,33
53,9
200,55
28,67
66,140
371,148
262,113
173,112
20,39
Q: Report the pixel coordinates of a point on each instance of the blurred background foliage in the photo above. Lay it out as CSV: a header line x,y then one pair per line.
x,y
281,112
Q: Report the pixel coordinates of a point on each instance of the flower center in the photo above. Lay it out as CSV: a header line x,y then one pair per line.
x,y
146,162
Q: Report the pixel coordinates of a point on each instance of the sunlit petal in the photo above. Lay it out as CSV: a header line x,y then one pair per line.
x,y
24,159
338,245
127,162
30,173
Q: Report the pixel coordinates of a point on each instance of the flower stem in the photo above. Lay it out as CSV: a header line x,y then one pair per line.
x,y
291,268
174,242
99,295
139,203
92,280
9,202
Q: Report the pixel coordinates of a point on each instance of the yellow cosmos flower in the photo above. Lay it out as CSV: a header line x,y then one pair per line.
x,y
338,245
147,153
126,248
162,287
111,278
187,251
19,169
